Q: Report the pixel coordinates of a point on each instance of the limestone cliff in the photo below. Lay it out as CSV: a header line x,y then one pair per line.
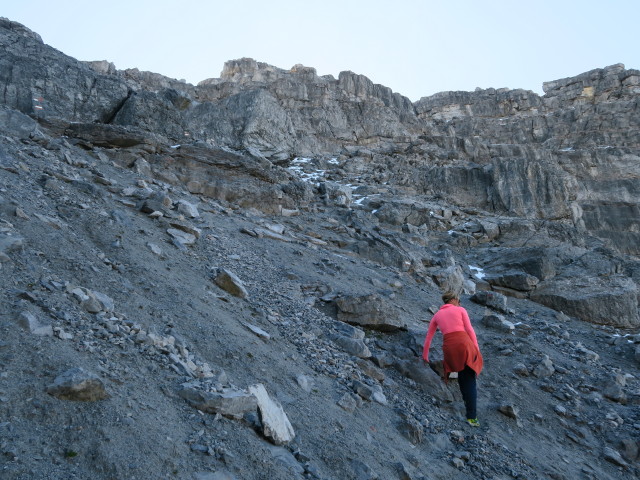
x,y
570,155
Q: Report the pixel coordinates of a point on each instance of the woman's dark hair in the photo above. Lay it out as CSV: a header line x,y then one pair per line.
x,y
448,296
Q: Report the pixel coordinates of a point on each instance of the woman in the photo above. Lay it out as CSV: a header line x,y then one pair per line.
x,y
460,349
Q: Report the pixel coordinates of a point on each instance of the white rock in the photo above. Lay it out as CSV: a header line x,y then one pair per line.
x,y
188,209
155,248
33,325
305,382
258,331
275,424
182,237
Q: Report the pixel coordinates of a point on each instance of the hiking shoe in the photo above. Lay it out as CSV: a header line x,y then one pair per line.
x,y
473,422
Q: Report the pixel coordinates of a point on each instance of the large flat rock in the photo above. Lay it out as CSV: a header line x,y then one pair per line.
x,y
603,300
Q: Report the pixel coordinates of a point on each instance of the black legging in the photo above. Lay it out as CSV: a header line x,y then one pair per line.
x,y
467,382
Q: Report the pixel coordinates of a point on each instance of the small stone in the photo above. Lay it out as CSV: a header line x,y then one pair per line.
x,y
521,369
219,475
182,237
508,410
21,214
544,368
230,283
348,403
611,455
28,321
498,322
588,354
463,454
560,410
187,209
155,248
305,382
61,334
258,331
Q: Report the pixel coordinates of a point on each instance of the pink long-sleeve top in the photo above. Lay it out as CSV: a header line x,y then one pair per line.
x,y
450,318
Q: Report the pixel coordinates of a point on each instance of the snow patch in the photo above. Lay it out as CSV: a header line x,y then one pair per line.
x,y
479,272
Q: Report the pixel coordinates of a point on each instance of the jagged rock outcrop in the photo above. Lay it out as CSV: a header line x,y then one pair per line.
x,y
570,155
42,82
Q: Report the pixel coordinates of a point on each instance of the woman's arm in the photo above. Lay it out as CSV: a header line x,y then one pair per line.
x,y
427,341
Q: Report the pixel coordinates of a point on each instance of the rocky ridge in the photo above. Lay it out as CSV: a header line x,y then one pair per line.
x,y
249,300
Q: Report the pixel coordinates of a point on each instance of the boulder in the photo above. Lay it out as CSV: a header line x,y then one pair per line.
x,y
77,384
17,124
275,424
230,403
498,322
425,378
230,283
494,300
515,280
370,311
609,300
450,279
349,331
352,346
538,262
188,209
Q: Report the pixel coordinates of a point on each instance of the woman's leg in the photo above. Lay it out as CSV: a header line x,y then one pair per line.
x,y
467,382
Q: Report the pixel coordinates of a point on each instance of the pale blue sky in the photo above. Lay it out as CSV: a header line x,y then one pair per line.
x,y
416,48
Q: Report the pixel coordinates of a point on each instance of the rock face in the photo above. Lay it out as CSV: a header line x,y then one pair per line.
x,y
571,154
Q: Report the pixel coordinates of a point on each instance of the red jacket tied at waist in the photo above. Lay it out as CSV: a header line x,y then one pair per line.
x,y
460,351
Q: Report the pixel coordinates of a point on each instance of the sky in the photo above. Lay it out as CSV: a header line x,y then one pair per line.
x,y
415,47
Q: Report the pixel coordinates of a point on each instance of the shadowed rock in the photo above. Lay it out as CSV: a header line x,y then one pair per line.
x,y
608,301
369,311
